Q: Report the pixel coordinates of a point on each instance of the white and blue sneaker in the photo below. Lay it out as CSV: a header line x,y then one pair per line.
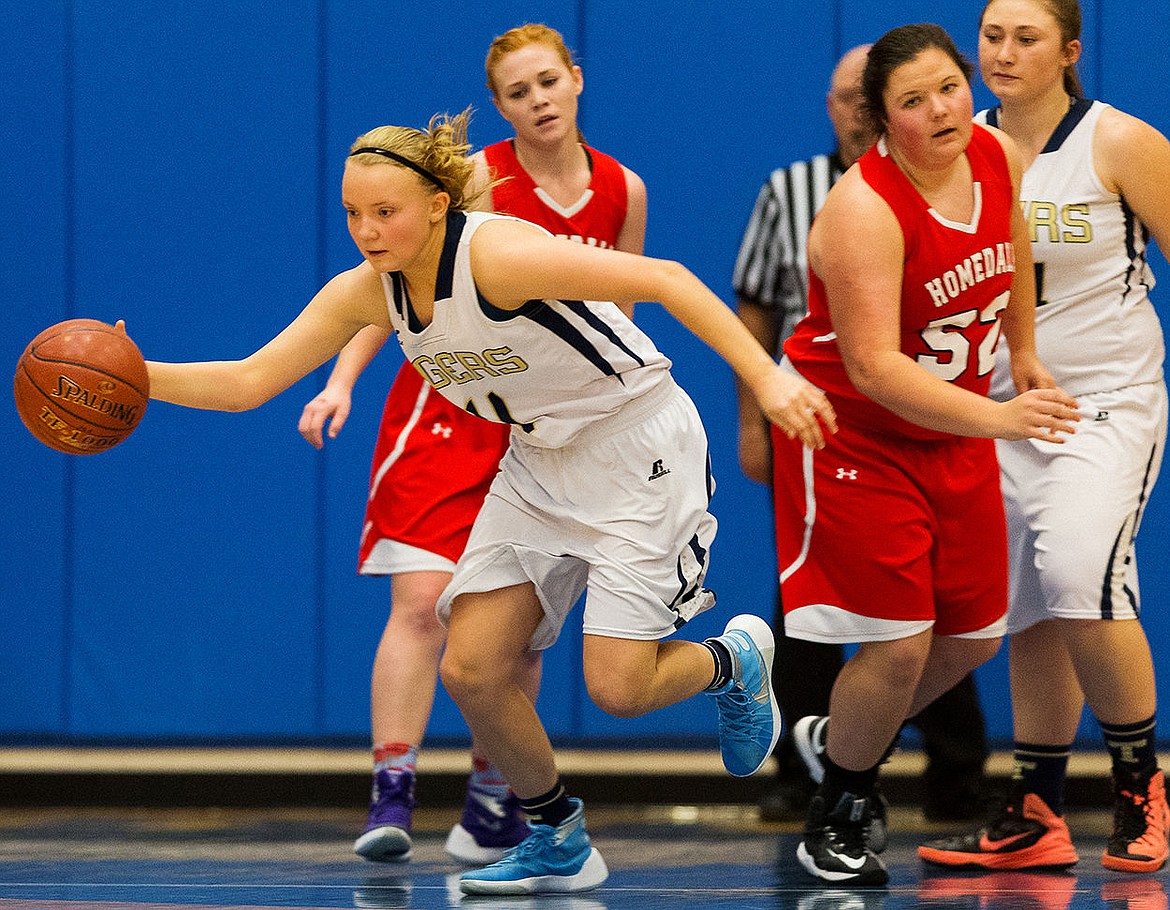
x,y
549,861
749,714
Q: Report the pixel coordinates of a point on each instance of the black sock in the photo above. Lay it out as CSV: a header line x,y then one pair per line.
x,y
1132,748
840,780
550,808
1042,770
723,664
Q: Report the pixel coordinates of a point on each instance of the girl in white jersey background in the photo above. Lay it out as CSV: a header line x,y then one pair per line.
x,y
433,462
604,487
1097,185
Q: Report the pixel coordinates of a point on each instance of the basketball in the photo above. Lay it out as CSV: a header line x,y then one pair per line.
x,y
81,386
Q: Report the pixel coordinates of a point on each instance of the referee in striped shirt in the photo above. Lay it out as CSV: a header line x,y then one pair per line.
x,y
771,290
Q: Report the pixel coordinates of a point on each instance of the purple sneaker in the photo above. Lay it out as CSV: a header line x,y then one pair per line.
x,y
387,835
488,829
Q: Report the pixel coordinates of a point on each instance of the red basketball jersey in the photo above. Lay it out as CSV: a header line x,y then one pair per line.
x,y
596,218
955,286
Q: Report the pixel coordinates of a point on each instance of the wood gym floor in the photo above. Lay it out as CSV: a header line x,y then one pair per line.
x,y
680,854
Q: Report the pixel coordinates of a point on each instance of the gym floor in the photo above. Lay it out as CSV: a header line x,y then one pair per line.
x,y
705,857
143,833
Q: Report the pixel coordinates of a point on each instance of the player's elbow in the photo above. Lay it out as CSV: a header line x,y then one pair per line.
x,y
866,376
245,391
656,279
239,405
262,376
673,273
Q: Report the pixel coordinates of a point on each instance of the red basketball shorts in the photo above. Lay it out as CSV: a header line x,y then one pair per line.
x,y
881,537
432,466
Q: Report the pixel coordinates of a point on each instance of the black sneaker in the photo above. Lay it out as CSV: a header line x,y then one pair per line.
x,y
835,846
810,735
1023,834
1141,825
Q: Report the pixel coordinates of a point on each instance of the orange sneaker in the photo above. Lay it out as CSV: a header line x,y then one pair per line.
x,y
1141,825
1025,835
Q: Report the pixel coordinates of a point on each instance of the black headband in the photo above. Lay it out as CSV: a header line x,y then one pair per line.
x,y
394,156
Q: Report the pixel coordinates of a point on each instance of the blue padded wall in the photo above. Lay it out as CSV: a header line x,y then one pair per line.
x,y
179,167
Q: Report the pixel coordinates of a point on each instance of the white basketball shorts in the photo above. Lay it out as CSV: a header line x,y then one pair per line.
x,y
1074,509
621,511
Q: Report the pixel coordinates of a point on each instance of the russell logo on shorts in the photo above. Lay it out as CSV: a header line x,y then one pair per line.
x,y
657,470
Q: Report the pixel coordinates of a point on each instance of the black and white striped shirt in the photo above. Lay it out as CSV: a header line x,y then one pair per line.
x,y
771,269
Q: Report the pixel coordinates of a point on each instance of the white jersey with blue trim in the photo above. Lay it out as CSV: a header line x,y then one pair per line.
x,y
1096,329
550,368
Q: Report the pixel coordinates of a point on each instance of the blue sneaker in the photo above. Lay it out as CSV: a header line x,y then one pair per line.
x,y
387,835
549,860
749,714
488,828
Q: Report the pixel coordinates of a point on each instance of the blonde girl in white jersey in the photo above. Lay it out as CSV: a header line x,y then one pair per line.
x,y
403,191
426,488
1097,186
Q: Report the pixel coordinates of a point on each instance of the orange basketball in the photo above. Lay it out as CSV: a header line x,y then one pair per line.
x,y
81,386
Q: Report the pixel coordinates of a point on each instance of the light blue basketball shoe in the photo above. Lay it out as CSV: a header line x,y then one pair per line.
x,y
749,714
549,861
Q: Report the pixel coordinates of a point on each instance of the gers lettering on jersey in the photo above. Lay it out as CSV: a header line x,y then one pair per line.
x,y
1067,223
458,367
978,267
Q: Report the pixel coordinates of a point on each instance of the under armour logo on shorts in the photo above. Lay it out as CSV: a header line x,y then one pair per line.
x,y
846,473
439,430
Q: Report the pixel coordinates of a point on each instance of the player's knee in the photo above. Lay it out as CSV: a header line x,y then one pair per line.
x,y
418,621
465,677
900,662
959,656
905,674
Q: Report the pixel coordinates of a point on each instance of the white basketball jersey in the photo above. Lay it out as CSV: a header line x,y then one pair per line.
x,y
549,369
1096,329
